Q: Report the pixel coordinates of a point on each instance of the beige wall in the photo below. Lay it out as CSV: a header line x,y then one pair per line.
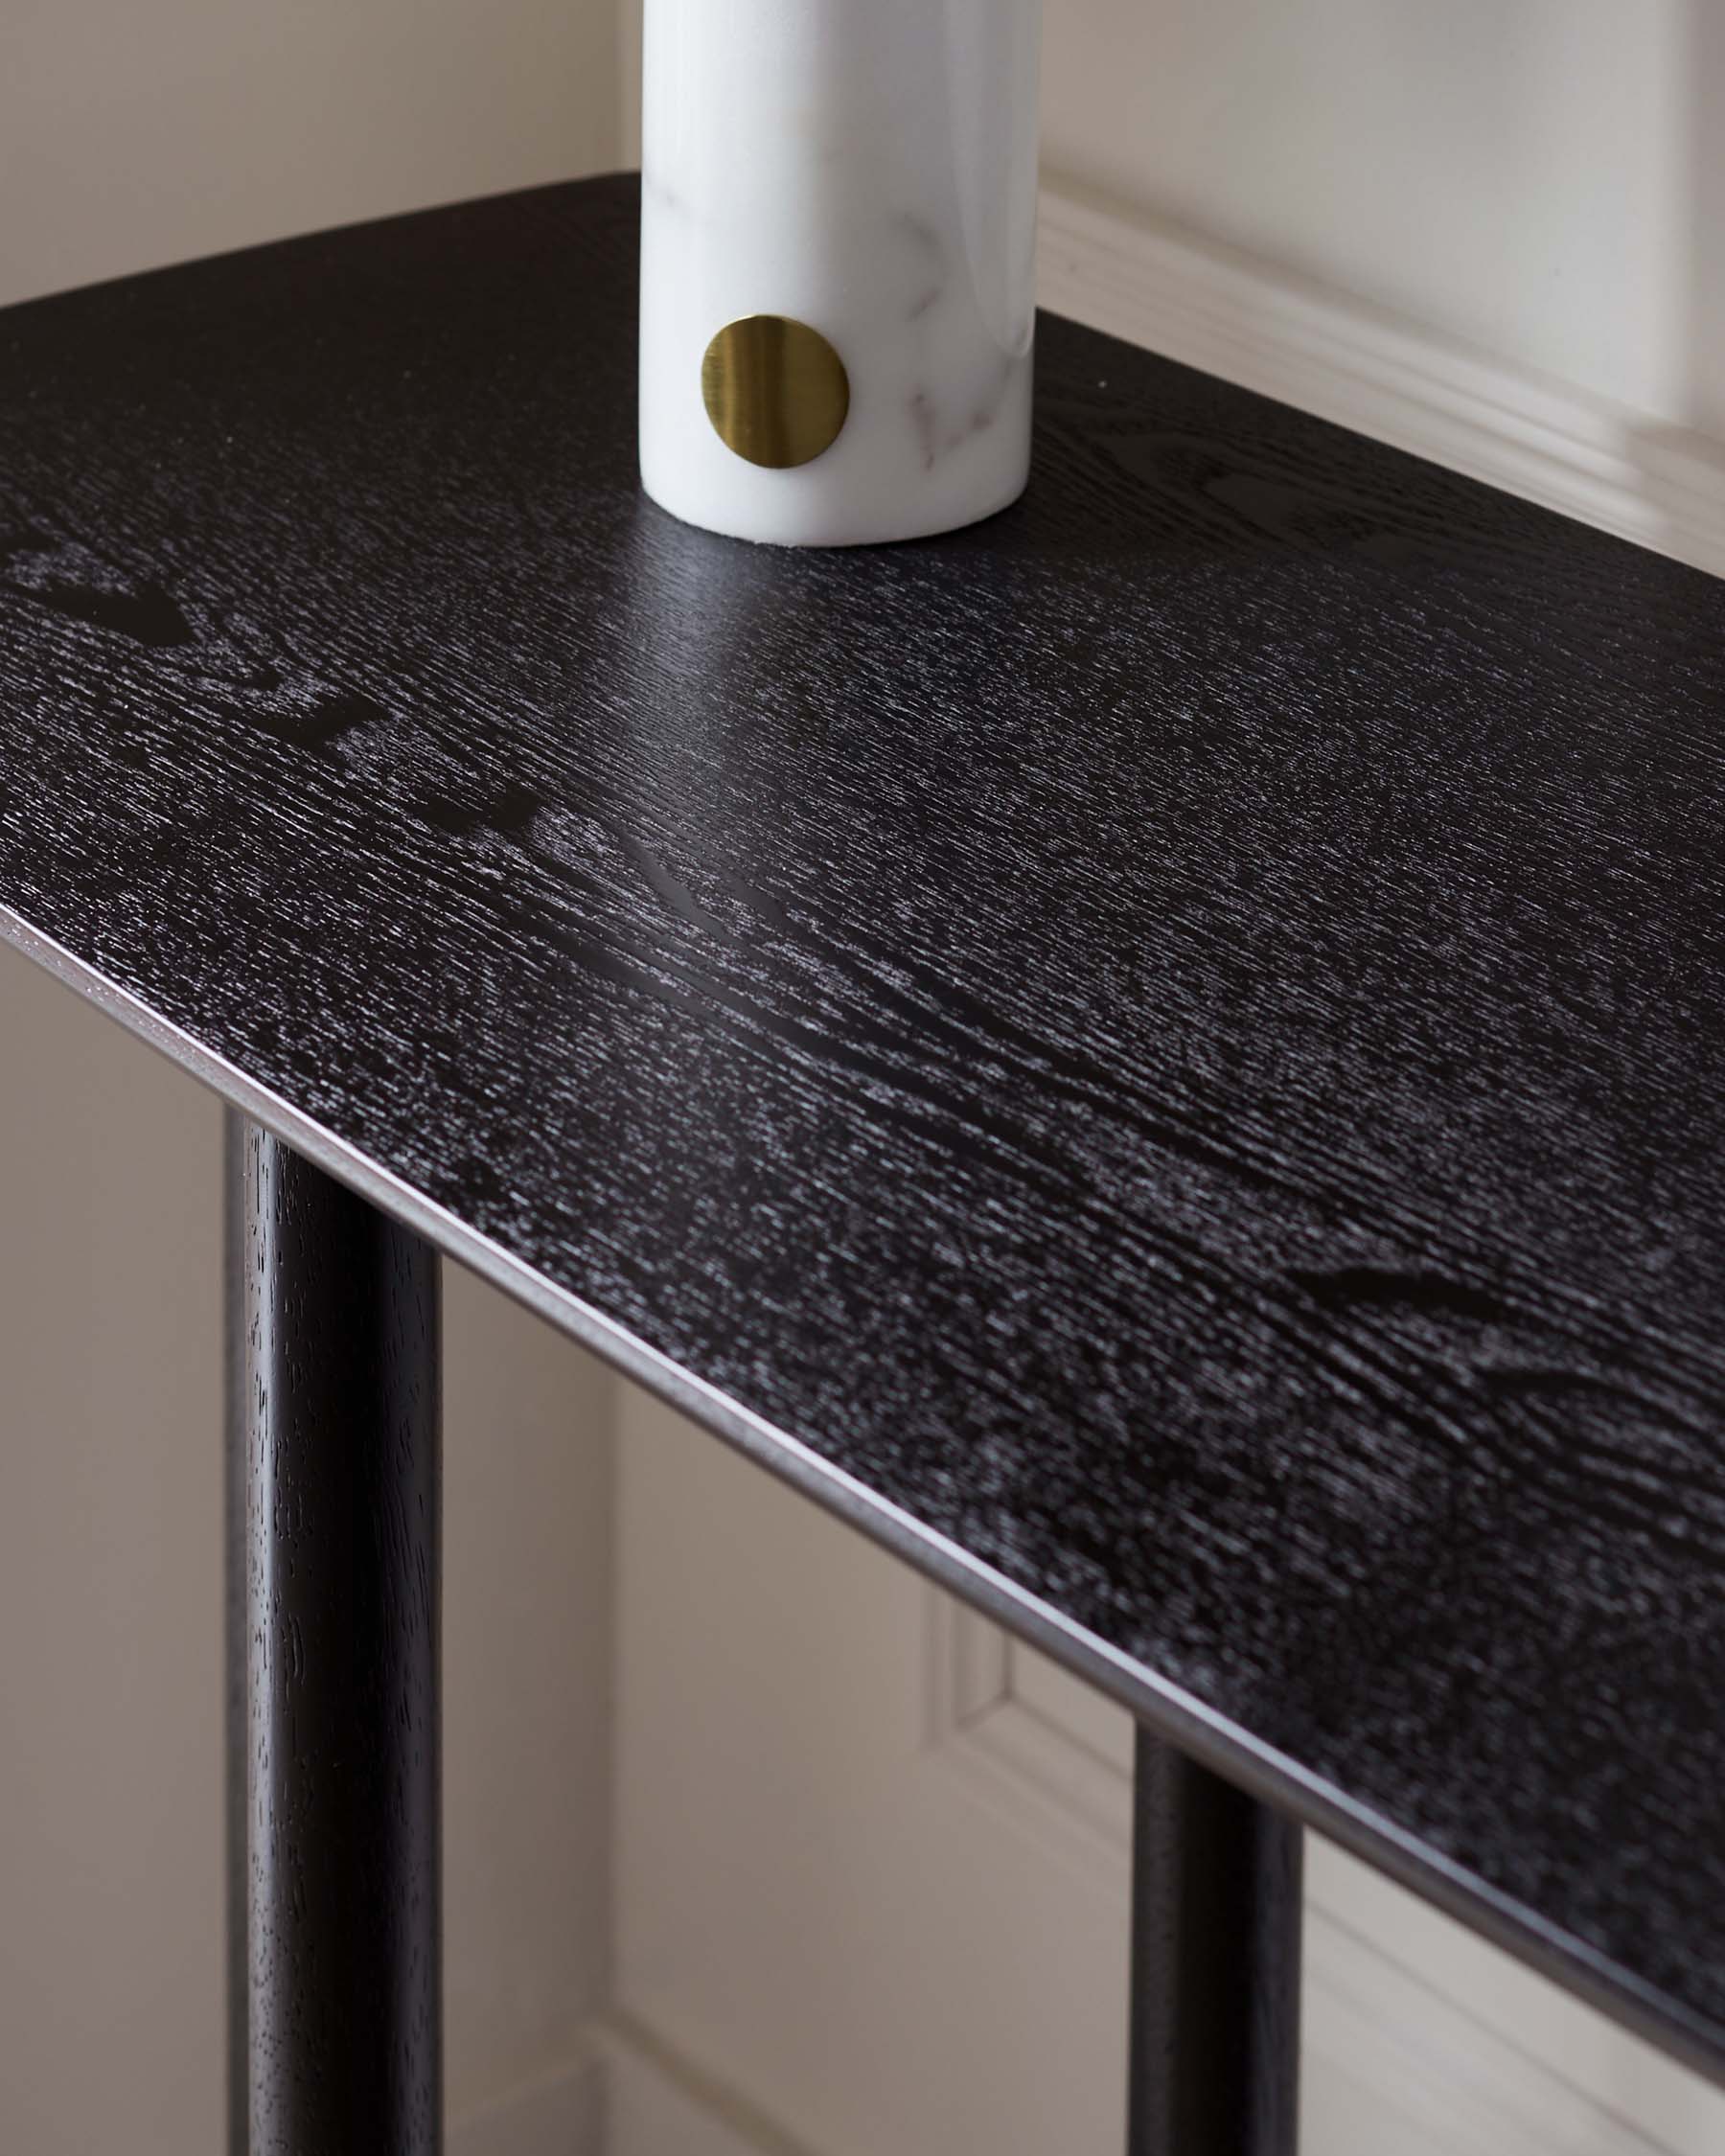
x,y
110,1623
131,135
110,1589
136,133
1541,177
1536,176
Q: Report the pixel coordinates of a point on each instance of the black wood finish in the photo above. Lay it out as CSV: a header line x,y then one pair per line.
x,y
340,2028
1216,1922
237,1140
1162,1053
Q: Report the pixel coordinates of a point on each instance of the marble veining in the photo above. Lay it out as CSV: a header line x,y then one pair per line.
x,y
870,170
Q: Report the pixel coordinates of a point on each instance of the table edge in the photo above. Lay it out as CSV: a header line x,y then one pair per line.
x,y
1162,1706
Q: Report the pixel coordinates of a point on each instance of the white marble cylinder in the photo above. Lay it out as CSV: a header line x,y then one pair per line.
x,y
837,290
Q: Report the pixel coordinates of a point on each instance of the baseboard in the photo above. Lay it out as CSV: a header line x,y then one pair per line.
x,y
559,2113
1210,305
1389,2064
1419,2038
1214,308
659,2103
625,2093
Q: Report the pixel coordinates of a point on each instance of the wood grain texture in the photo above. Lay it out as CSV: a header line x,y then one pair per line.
x,y
1174,1037
338,1863
1217,1915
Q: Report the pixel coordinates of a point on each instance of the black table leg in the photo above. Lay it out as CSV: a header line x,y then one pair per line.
x,y
333,1558
1216,1966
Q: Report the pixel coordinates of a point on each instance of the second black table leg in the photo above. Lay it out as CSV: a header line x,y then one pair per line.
x,y
335,1553
1216,1966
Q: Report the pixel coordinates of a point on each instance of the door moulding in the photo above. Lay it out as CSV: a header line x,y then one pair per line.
x,y
1406,2014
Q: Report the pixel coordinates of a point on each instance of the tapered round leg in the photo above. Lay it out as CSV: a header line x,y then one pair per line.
x,y
1216,1966
335,1545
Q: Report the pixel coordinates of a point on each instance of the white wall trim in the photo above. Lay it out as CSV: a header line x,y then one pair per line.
x,y
1073,1802
1448,2097
559,2112
1216,308
1417,2053
624,2090
1399,2024
660,2102
1213,308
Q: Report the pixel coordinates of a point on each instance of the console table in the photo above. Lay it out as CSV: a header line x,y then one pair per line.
x,y
1164,1056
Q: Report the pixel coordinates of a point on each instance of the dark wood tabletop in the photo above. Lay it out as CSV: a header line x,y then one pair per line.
x,y
1162,1054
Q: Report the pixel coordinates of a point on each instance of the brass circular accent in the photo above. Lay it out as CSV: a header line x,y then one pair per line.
x,y
775,391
